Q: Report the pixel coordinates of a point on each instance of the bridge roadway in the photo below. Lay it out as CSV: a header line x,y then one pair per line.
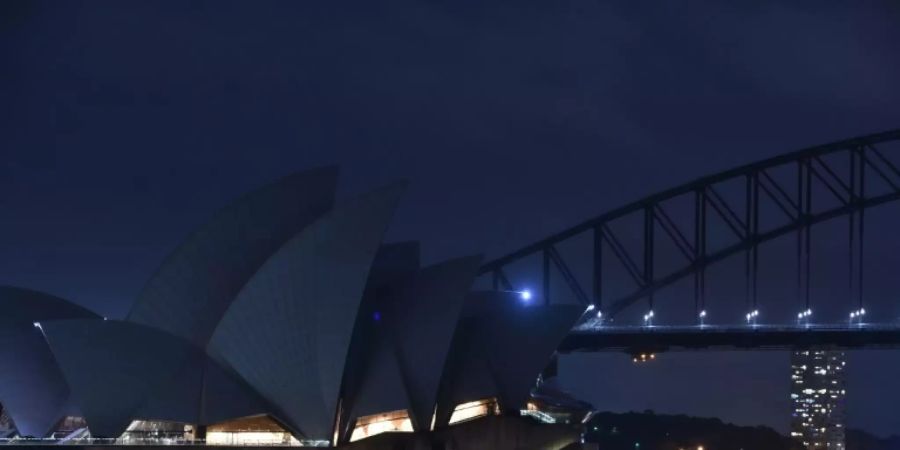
x,y
657,339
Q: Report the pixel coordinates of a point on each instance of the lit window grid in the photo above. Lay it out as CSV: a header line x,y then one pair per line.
x,y
817,396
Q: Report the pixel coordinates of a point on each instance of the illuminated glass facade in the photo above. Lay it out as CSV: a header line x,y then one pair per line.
x,y
70,427
394,421
156,432
818,391
473,410
254,431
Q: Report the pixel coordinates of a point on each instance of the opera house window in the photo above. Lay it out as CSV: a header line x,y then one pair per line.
x,y
381,423
258,430
473,410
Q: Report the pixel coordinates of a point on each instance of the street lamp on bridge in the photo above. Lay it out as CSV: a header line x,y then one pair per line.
x,y
857,315
804,315
751,316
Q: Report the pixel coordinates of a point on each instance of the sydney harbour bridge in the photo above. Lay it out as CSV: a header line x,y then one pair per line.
x,y
782,219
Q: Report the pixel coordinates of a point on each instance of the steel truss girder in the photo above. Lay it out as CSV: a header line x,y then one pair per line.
x,y
811,165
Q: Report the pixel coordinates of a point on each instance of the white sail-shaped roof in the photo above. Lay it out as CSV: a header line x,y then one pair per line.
x,y
121,371
393,262
112,367
420,316
32,389
288,331
201,392
499,349
287,305
197,282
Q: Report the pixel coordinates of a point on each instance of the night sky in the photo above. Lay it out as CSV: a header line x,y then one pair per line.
x,y
123,125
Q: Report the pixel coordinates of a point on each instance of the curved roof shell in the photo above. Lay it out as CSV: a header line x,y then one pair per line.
x,y
21,305
194,286
202,392
393,262
121,371
467,375
287,305
288,331
421,316
32,387
409,342
112,367
500,348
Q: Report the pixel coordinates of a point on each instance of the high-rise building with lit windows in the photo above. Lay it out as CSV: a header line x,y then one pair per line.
x,y
817,398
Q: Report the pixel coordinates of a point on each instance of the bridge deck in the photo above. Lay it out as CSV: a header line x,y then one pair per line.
x,y
761,337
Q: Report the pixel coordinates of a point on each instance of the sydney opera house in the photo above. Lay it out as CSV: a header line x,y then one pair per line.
x,y
284,320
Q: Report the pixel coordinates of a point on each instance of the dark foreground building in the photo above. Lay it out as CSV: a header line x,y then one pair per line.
x,y
284,320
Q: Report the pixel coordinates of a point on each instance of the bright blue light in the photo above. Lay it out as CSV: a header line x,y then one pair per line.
x,y
376,316
525,295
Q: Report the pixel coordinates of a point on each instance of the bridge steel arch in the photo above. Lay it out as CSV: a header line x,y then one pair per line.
x,y
846,171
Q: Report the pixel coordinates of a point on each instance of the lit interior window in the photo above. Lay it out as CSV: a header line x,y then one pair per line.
x,y
381,423
251,438
70,427
472,410
156,432
257,430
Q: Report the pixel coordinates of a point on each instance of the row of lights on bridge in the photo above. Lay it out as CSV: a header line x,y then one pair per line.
x,y
751,316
